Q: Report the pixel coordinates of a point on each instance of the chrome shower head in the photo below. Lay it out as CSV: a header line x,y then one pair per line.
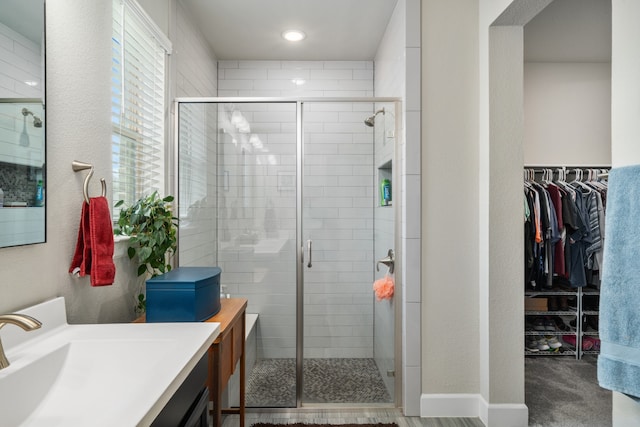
x,y
37,121
371,121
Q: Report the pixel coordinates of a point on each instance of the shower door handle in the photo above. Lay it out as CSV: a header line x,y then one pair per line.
x,y
309,251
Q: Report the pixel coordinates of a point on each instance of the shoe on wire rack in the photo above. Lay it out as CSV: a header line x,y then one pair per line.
x,y
560,325
531,344
538,324
542,344
553,342
595,343
549,325
587,344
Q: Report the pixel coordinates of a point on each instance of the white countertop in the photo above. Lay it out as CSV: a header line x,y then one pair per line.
x,y
95,375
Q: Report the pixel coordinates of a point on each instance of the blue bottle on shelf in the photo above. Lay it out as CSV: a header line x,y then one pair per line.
x,y
39,194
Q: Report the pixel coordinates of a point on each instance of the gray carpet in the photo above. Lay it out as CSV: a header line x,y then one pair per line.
x,y
564,392
271,383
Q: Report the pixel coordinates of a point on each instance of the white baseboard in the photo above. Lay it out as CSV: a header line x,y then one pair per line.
x,y
503,414
449,405
474,406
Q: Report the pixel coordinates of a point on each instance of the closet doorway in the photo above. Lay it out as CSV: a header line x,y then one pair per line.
x,y
567,139
507,151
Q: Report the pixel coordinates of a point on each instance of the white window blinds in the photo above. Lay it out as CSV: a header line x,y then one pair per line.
x,y
138,104
194,171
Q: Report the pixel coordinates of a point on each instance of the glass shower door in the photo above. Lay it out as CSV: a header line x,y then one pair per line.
x,y
340,174
237,169
321,337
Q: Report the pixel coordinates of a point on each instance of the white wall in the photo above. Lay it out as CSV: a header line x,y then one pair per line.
x,y
79,127
449,201
500,161
567,109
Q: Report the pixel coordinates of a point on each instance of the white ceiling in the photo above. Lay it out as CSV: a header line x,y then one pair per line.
x,y
251,29
565,31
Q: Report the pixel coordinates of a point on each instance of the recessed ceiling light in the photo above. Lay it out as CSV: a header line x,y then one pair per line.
x,y
293,35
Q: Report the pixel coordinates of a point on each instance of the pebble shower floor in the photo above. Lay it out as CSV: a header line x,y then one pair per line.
x,y
272,382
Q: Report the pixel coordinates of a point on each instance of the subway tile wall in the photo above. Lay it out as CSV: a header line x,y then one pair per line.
x,y
21,61
20,165
196,76
295,78
338,215
339,197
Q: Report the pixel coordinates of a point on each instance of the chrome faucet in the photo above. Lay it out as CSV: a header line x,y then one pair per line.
x,y
27,323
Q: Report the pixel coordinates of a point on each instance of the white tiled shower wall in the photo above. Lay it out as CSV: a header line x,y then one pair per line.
x,y
390,79
339,195
295,78
21,61
196,76
338,198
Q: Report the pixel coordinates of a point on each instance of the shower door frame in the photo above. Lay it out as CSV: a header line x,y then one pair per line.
x,y
300,250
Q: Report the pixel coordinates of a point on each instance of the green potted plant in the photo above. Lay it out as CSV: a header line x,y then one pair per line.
x,y
153,230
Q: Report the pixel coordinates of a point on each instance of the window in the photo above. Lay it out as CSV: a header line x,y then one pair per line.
x,y
138,57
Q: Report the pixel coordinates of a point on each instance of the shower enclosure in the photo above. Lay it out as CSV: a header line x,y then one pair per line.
x,y
285,196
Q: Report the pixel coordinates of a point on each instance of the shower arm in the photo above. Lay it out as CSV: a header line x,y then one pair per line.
x,y
37,121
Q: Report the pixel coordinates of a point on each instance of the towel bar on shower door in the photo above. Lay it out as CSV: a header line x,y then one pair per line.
x,y
80,166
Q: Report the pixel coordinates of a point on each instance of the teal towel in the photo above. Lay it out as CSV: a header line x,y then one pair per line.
x,y
619,361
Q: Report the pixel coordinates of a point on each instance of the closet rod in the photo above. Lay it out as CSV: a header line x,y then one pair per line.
x,y
569,169
567,166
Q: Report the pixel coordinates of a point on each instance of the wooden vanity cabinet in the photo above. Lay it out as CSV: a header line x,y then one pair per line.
x,y
225,353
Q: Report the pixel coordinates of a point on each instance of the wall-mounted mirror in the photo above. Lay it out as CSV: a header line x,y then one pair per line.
x,y
22,123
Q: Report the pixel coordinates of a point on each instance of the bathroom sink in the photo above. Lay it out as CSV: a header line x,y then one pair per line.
x,y
98,375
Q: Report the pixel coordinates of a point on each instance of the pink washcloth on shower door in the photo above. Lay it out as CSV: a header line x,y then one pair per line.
x,y
384,287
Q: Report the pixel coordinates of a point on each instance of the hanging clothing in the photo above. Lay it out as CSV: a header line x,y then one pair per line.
x,y
563,232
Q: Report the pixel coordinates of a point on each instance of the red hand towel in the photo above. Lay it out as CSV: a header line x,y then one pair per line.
x,y
81,262
103,270
94,248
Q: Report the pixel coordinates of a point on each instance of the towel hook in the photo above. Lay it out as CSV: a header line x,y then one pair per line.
x,y
389,261
78,166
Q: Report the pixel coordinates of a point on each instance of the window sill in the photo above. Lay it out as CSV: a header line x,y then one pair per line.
x,y
120,246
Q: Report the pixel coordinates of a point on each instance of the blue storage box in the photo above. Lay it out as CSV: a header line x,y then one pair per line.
x,y
185,294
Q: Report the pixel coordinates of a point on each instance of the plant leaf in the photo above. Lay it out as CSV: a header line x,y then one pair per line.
x,y
142,269
144,253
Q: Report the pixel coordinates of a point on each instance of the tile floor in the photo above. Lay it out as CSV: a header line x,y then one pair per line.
x,y
344,416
